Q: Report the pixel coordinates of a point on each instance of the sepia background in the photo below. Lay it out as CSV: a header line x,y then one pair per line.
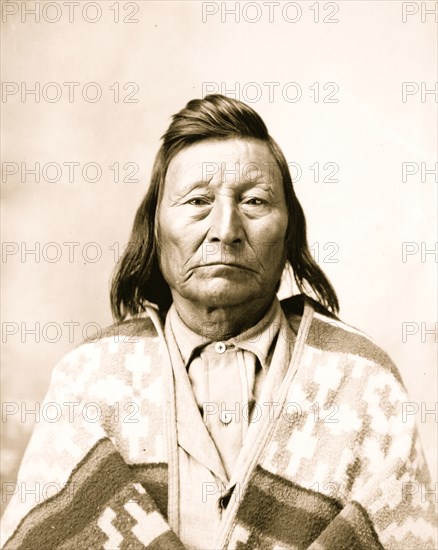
x,y
346,89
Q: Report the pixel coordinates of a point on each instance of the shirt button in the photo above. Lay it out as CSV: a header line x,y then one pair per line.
x,y
220,347
225,417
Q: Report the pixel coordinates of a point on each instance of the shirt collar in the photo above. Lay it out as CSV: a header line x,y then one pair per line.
x,y
257,339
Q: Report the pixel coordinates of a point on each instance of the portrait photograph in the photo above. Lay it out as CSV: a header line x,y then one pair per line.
x,y
219,275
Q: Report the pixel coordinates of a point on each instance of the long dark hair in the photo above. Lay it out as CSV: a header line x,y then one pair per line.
x,y
137,278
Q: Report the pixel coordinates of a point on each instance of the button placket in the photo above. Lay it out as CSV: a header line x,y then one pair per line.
x,y
225,416
224,391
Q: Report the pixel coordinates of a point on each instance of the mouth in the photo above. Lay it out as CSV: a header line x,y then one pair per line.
x,y
230,265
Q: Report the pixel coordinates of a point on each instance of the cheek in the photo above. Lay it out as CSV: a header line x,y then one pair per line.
x,y
175,253
166,247
273,247
269,237
168,233
180,237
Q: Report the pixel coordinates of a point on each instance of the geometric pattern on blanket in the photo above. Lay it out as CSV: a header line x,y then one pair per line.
x,y
353,464
275,512
101,506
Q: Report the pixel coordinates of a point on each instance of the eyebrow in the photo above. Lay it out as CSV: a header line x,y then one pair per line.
x,y
189,186
259,181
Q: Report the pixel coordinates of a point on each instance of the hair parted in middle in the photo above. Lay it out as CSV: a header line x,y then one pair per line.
x,y
138,279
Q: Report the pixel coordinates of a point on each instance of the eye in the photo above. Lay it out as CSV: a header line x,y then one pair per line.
x,y
199,201
254,201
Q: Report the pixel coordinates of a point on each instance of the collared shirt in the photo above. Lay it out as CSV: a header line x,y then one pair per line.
x,y
218,385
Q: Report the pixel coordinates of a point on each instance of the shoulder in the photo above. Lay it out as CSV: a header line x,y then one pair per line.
x,y
140,326
110,350
329,335
122,337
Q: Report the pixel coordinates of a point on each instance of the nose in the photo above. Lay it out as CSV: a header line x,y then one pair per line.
x,y
225,222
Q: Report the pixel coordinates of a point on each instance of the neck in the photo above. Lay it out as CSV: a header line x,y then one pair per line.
x,y
221,323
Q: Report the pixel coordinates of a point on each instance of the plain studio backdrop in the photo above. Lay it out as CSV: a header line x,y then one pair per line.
x,y
346,89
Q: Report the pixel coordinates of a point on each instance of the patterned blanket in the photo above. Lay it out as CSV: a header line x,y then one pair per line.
x,y
105,505
345,478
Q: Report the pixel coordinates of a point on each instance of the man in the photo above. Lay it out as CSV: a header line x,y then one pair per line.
x,y
225,419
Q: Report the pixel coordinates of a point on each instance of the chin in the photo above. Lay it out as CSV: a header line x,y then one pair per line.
x,y
224,293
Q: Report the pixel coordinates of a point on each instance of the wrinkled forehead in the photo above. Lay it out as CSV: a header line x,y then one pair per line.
x,y
230,161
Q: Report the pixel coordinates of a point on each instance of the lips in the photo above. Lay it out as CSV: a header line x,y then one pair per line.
x,y
226,264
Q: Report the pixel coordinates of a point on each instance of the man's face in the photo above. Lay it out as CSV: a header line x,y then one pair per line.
x,y
222,223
